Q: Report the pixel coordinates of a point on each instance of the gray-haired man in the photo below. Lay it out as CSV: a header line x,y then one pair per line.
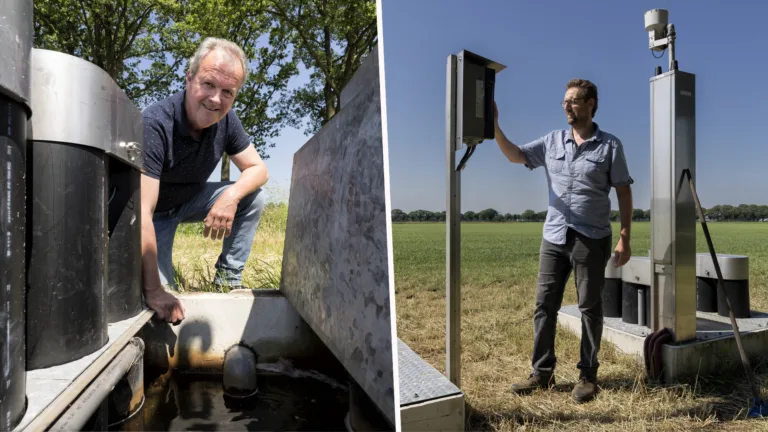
x,y
582,164
185,137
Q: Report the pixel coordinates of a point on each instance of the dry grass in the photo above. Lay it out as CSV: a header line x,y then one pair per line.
x,y
194,256
499,267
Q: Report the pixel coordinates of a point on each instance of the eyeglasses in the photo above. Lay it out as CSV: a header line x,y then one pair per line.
x,y
563,104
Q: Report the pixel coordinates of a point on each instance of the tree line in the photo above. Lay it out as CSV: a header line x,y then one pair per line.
x,y
723,213
144,45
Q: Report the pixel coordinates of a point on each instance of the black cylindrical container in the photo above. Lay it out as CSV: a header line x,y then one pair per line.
x,y
612,298
706,294
738,294
67,240
124,275
629,306
13,138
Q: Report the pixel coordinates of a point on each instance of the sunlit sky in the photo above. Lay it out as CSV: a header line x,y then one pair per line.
x,y
545,43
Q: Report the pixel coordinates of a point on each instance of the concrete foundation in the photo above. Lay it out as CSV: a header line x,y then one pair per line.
x,y
713,351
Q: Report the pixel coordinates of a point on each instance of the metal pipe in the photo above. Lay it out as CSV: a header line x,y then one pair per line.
x,y
641,307
97,392
671,38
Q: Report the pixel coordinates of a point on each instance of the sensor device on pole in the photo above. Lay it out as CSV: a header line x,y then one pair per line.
x,y
469,96
475,83
673,211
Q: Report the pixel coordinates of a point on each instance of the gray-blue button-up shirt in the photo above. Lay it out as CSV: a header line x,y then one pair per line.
x,y
579,179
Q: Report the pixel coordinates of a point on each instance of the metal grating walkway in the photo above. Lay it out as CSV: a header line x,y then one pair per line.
x,y
419,381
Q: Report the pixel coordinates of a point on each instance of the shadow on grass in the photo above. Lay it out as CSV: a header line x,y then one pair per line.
x,y
492,420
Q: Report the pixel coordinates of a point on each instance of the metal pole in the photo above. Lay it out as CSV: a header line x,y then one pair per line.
x,y
453,234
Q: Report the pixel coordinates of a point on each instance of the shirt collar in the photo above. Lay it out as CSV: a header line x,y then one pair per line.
x,y
597,137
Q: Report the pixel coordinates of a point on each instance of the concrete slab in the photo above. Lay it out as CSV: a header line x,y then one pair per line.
x,y
713,350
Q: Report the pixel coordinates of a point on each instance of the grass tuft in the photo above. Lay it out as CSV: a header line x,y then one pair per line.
x,y
194,256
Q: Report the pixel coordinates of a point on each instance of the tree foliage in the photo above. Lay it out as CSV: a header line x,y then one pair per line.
x,y
724,213
331,38
145,45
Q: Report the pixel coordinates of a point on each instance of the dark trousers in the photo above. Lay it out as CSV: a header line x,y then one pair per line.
x,y
586,258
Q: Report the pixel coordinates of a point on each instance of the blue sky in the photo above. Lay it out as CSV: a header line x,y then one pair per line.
x,y
545,43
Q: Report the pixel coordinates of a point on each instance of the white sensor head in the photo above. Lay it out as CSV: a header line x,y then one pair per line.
x,y
656,20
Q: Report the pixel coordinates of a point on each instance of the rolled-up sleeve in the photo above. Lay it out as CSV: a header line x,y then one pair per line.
x,y
619,175
534,152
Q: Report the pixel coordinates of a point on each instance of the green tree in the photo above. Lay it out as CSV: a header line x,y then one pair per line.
x,y
332,38
528,216
488,214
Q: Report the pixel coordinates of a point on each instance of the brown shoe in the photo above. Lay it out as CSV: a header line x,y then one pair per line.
x,y
532,383
585,390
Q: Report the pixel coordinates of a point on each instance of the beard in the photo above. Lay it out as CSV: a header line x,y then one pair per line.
x,y
574,119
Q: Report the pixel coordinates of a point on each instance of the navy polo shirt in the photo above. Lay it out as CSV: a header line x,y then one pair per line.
x,y
181,163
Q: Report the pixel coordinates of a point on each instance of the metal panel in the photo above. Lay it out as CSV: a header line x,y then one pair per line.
x,y
637,271
472,100
335,268
453,227
673,214
76,102
15,47
733,267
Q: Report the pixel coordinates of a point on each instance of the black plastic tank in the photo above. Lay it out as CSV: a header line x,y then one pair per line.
x,y
124,298
13,131
612,291
735,272
738,295
66,276
76,129
630,306
15,114
706,294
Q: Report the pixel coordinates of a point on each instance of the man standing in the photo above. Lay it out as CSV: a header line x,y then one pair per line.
x,y
582,164
185,137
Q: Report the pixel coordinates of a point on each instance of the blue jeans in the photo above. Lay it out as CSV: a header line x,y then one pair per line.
x,y
235,249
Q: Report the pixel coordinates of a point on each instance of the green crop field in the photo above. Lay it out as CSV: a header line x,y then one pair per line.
x,y
499,267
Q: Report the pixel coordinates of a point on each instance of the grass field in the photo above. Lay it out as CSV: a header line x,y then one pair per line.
x,y
195,256
499,268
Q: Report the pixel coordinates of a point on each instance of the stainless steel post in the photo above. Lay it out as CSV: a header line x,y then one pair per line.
x,y
673,213
453,233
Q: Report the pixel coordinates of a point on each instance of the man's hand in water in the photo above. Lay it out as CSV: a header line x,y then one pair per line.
x,y
166,306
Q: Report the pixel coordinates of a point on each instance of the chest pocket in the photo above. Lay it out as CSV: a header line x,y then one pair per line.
x,y
556,161
593,166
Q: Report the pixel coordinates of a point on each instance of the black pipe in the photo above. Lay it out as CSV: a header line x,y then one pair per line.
x,y
612,299
13,138
124,252
67,246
